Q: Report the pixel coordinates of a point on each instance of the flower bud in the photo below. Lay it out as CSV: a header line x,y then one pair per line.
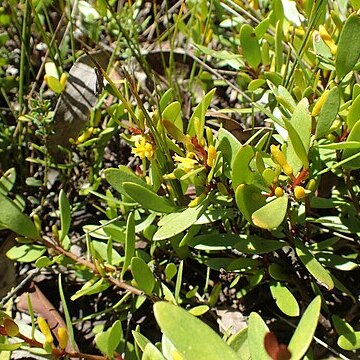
x,y
63,337
319,103
197,200
279,192
211,156
299,193
44,328
288,170
277,155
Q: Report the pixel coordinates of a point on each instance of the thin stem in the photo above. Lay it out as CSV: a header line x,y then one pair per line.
x,y
93,268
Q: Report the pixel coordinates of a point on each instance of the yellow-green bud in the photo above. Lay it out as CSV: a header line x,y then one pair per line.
x,y
319,103
197,200
44,328
288,170
211,156
279,192
63,337
299,193
278,155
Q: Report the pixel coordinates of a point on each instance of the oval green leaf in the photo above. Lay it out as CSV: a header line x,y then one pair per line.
x,y
148,199
26,252
284,299
305,330
299,131
313,266
250,45
348,50
350,341
192,338
328,113
116,178
241,172
142,275
12,218
256,335
353,136
176,223
249,199
271,215
354,113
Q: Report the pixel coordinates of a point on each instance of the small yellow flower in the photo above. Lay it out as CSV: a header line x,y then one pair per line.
x,y
143,149
187,163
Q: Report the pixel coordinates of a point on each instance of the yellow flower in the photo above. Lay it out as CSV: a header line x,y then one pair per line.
x,y
187,163
143,149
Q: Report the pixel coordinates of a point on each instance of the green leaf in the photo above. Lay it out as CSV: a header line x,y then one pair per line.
x,y
239,342
342,145
348,50
199,310
170,271
143,275
192,338
335,261
116,178
94,286
7,181
229,145
243,265
248,244
172,113
256,84
341,326
200,112
65,214
271,215
241,172
305,330
313,266
26,252
299,131
151,352
262,27
140,339
355,4
285,300
108,341
354,113
256,335
54,84
101,249
328,113
12,218
278,272
249,199
349,341
176,223
148,199
353,136
129,242
250,45
11,347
